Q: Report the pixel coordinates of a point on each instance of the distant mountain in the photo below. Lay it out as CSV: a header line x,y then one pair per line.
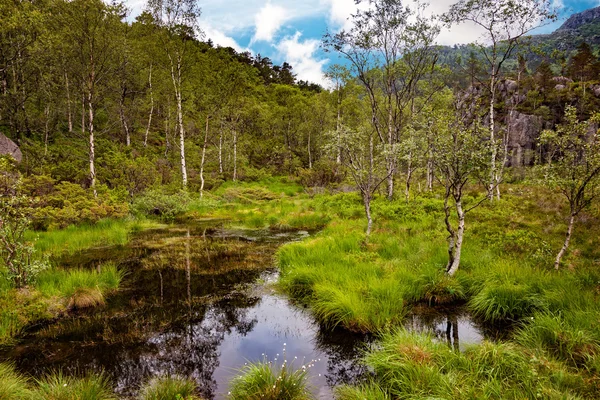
x,y
578,28
579,20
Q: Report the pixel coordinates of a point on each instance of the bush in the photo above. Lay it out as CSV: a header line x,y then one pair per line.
x,y
165,206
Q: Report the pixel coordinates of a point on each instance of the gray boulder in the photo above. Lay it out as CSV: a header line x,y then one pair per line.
x,y
8,147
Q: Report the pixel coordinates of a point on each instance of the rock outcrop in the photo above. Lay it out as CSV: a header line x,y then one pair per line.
x,y
523,133
8,147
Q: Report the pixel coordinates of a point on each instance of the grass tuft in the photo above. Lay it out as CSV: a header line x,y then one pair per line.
x,y
169,388
58,386
13,385
263,380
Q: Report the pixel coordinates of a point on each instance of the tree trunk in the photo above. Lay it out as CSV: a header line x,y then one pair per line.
x,y
309,153
409,172
221,149
338,125
492,135
46,130
391,164
202,159
92,143
234,155
176,78
122,117
565,246
453,267
151,107
367,203
69,115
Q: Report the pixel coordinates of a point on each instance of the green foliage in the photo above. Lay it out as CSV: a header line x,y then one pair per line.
x,y
169,388
266,380
17,255
157,203
63,204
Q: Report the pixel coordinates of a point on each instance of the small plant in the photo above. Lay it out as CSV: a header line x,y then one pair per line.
x,y
169,388
16,253
269,380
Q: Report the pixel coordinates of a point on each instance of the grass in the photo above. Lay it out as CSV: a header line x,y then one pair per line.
x,y
56,292
56,386
13,385
268,381
414,366
76,238
169,388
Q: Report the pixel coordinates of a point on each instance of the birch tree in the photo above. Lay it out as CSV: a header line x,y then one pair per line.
x,y
572,166
460,159
504,24
390,49
89,27
179,20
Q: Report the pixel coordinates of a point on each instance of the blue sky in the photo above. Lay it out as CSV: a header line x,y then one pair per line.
x,y
288,30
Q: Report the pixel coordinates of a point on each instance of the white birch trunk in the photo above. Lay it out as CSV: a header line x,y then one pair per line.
x,y
202,160
565,246
460,232
151,107
234,155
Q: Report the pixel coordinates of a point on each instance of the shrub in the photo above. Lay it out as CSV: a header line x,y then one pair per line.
x,y
165,206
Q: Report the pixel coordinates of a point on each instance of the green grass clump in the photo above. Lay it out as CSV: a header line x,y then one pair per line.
x,y
13,385
506,301
58,386
169,388
411,365
415,366
81,288
564,338
369,391
263,380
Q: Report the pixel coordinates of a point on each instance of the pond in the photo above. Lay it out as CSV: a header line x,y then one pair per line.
x,y
198,301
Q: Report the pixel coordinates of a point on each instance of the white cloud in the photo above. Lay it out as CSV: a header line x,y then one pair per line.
x,y
301,55
268,21
221,39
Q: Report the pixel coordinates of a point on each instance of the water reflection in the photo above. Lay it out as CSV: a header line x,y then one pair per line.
x,y
191,306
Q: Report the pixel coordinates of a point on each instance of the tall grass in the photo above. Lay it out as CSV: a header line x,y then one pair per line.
x,y
79,287
265,380
411,365
169,388
72,239
13,385
58,386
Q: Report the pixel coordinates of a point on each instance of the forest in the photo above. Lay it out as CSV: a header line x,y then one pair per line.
x,y
424,227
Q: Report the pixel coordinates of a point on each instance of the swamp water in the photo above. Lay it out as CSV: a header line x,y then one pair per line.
x,y
196,301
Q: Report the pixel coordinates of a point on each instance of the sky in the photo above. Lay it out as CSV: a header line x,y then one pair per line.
x,y
291,30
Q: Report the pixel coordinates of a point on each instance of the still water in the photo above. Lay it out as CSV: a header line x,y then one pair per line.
x,y
198,301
